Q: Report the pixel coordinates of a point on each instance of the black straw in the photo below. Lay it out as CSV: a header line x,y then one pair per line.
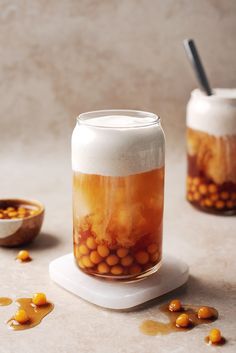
x,y
195,60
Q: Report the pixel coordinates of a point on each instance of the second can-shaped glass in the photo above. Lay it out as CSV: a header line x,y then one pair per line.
x,y
118,193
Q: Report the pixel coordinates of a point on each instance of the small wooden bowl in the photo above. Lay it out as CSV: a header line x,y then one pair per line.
x,y
15,232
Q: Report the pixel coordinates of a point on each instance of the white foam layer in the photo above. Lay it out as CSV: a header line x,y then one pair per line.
x,y
117,145
214,114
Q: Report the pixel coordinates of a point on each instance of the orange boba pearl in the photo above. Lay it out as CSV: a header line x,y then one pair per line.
x,y
83,249
135,270
196,196
205,313
229,204
112,260
21,316
220,204
155,257
142,257
202,189
208,203
190,197
127,261
23,255
215,336
117,270
103,250
86,261
212,188
122,252
214,197
183,321
152,248
95,257
91,244
80,263
175,305
39,299
193,188
103,268
196,181
224,195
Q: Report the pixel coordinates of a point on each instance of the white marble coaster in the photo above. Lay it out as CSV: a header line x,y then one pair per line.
x,y
117,295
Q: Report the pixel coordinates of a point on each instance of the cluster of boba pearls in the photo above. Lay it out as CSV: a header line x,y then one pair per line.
x,y
203,313
209,195
99,259
17,212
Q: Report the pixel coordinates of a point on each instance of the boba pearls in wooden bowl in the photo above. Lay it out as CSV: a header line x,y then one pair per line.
x,y
20,221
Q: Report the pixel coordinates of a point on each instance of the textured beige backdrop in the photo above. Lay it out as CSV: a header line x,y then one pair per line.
x,y
62,57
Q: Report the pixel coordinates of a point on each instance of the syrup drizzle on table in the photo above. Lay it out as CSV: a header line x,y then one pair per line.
x,y
153,328
4,301
35,314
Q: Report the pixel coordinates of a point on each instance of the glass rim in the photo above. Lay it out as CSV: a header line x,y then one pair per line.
x,y
153,118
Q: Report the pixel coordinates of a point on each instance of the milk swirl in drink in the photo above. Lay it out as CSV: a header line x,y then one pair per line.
x,y
118,173
211,147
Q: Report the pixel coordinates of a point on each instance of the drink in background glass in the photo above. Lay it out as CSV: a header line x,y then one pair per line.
x,y
211,151
118,193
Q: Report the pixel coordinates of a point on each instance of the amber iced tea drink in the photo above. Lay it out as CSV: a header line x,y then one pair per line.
x,y
211,148
118,192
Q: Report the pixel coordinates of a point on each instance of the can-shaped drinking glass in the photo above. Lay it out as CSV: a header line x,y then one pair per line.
x,y
211,151
118,193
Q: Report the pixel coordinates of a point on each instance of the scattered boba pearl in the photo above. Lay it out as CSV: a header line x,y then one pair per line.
x,y
205,313
183,321
215,336
175,305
